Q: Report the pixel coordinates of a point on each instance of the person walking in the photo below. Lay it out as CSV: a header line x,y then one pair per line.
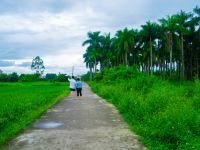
x,y
72,85
79,87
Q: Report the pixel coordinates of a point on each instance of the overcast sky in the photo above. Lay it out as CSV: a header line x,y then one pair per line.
x,y
55,29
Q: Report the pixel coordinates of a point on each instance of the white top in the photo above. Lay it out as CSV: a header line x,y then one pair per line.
x,y
72,84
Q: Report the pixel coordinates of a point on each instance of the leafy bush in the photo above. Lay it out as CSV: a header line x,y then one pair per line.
x,y
3,77
86,77
62,78
51,76
13,77
196,98
117,73
29,77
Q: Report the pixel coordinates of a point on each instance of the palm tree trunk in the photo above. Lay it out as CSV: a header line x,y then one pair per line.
x,y
95,65
148,66
191,64
134,56
151,56
126,59
182,59
90,73
197,68
163,67
170,61
167,68
122,59
142,67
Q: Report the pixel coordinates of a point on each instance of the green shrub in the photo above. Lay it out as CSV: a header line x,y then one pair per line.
x,y
86,77
3,77
51,76
13,77
29,77
62,78
196,97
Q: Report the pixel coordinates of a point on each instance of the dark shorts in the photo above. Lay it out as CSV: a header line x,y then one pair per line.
x,y
72,89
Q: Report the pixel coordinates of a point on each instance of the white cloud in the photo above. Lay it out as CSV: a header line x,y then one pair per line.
x,y
59,36
17,69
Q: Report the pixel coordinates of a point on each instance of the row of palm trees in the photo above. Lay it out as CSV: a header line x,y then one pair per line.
x,y
169,47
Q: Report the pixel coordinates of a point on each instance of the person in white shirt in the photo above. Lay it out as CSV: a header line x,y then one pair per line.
x,y
72,85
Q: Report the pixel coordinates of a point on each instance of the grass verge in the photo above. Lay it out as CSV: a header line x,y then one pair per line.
x,y
165,115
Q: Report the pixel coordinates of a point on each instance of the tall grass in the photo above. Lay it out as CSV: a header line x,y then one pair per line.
x,y
21,103
166,115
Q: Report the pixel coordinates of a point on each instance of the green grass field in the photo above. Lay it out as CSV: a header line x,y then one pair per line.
x,y
21,103
165,114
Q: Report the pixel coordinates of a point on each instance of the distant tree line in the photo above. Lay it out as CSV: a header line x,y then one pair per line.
x,y
55,77
169,47
14,77
37,66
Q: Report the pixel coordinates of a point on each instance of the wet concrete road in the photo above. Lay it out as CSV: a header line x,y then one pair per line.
x,y
84,123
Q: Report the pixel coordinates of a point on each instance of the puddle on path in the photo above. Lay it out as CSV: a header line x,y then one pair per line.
x,y
29,138
47,125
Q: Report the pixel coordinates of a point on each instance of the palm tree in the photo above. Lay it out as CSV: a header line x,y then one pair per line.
x,y
89,62
162,46
124,43
196,39
148,34
107,51
182,19
134,52
170,28
94,47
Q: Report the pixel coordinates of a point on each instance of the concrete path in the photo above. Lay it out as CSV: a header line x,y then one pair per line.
x,y
85,123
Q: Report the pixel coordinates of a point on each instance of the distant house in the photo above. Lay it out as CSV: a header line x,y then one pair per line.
x,y
1,71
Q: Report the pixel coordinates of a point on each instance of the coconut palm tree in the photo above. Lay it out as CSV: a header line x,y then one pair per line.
x,y
148,34
195,27
106,51
124,43
169,26
163,46
182,22
94,47
89,62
